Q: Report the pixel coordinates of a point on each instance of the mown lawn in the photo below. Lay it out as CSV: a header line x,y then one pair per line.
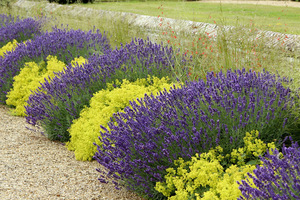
x,y
273,18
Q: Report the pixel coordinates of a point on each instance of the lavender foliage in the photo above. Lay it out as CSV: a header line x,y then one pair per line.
x,y
64,44
59,101
17,28
277,178
144,141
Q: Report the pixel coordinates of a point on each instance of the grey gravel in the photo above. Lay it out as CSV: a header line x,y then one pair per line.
x,y
33,167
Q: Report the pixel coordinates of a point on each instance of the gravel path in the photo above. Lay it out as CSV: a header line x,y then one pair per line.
x,y
32,167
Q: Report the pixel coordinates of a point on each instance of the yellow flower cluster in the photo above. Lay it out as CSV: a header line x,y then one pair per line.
x,y
253,148
85,130
226,187
8,47
29,79
203,177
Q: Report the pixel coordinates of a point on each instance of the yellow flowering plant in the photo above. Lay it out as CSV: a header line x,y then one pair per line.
x,y
253,148
205,177
10,46
85,130
29,79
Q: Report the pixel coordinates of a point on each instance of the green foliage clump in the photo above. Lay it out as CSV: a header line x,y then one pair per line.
x,y
10,46
30,78
213,175
86,129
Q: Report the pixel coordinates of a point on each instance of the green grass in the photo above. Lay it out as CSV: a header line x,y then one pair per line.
x,y
228,50
265,17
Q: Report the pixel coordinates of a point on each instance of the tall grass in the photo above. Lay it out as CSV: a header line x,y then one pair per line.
x,y
224,47
219,49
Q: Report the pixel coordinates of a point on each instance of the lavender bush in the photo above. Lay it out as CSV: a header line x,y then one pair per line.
x,y
278,178
144,141
5,20
64,44
60,100
18,29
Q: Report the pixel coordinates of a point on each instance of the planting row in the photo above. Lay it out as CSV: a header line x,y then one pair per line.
x,y
218,138
15,28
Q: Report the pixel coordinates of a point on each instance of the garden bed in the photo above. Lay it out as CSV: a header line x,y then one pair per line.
x,y
79,83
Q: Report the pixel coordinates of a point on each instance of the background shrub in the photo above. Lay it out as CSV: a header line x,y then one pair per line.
x,y
60,100
85,130
142,142
30,78
64,44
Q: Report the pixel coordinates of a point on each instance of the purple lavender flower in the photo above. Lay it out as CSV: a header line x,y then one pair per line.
x,y
66,45
18,29
182,122
5,20
61,99
277,178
